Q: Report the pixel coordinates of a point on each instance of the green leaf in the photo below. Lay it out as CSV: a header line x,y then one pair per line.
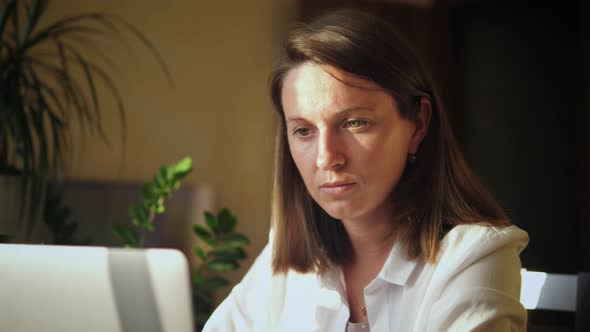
x,y
214,282
233,239
161,180
200,253
198,279
5,14
33,15
150,193
126,234
145,41
228,252
211,222
222,265
202,295
90,80
204,234
181,169
227,222
139,216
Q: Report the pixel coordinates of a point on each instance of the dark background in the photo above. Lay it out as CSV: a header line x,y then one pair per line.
x,y
513,76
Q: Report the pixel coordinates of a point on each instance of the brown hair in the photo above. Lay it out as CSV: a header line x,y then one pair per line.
x,y
435,193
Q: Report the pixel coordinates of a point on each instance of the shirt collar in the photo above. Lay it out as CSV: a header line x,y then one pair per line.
x,y
332,277
397,268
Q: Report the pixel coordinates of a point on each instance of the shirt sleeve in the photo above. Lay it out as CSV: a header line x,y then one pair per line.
x,y
484,295
244,307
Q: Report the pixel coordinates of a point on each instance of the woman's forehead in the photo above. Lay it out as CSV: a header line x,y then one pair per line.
x,y
315,91
313,84
334,74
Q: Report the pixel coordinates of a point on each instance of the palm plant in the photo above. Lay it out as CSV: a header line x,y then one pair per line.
x,y
47,82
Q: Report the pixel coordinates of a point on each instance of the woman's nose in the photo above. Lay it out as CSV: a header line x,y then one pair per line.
x,y
330,154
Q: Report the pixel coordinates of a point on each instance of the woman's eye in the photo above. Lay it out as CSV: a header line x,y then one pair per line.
x,y
301,132
355,123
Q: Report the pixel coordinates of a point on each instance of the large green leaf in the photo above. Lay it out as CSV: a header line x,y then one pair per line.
x,y
214,282
222,265
228,252
198,279
200,253
203,234
227,221
211,221
234,239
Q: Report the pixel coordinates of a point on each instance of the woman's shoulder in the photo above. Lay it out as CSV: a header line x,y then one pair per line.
x,y
470,242
476,279
484,236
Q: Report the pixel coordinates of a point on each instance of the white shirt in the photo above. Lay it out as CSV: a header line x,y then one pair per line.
x,y
474,285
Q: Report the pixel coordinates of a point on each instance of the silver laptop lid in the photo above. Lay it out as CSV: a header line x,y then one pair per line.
x,y
61,288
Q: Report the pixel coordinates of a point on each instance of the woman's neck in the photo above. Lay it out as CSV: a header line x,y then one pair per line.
x,y
371,238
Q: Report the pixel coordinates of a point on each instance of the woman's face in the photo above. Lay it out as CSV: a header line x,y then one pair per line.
x,y
349,141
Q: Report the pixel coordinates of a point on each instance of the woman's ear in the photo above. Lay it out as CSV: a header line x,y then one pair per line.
x,y
421,123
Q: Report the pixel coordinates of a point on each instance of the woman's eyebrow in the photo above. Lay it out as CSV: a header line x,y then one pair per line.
x,y
349,110
352,110
295,119
342,113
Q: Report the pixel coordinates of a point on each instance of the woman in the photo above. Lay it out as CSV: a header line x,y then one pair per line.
x,y
378,223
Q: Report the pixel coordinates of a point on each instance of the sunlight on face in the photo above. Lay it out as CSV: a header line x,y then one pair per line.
x,y
347,138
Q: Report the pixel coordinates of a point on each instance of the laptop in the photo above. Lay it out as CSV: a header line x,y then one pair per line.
x,y
73,289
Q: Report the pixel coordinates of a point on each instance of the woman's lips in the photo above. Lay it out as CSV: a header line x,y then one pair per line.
x,y
337,188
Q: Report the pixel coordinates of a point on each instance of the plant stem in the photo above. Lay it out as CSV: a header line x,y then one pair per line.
x,y
143,232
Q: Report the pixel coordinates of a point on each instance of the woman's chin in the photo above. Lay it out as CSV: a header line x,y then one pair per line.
x,y
341,212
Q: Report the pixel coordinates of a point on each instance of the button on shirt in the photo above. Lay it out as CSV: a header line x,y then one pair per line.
x,y
473,285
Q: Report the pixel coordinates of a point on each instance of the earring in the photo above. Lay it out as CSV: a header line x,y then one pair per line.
x,y
411,158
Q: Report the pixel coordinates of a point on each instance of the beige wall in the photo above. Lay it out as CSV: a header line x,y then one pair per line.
x,y
218,111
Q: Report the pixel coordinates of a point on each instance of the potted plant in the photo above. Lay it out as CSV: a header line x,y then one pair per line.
x,y
46,83
221,249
